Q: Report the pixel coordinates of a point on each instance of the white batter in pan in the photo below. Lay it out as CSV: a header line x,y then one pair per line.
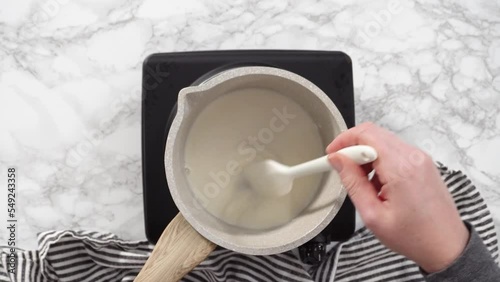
x,y
242,127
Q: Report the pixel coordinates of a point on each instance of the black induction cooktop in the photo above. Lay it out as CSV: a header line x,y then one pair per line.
x,y
165,74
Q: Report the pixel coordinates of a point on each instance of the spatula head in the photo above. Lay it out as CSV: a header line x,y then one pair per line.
x,y
268,178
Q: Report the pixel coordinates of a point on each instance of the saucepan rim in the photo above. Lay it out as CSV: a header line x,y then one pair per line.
x,y
172,139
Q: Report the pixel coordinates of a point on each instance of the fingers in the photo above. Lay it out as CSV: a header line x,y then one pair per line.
x,y
389,147
367,168
377,184
361,191
349,138
367,133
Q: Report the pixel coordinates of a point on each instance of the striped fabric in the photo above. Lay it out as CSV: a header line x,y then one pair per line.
x,y
78,256
92,256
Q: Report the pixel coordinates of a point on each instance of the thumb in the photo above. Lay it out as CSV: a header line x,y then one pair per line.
x,y
361,191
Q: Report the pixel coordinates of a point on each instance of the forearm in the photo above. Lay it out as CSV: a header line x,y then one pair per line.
x,y
474,264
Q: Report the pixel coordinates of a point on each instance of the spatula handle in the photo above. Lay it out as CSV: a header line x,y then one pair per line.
x,y
320,164
361,154
179,249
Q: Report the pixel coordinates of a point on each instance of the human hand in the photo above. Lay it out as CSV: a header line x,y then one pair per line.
x,y
406,205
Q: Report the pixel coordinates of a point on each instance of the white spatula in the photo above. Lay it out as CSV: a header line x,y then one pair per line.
x,y
273,179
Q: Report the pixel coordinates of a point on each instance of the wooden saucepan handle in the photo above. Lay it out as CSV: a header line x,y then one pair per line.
x,y
179,249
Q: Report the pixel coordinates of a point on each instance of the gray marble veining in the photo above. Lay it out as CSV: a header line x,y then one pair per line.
x,y
70,88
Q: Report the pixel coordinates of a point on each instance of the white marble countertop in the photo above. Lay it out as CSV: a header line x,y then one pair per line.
x,y
430,72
